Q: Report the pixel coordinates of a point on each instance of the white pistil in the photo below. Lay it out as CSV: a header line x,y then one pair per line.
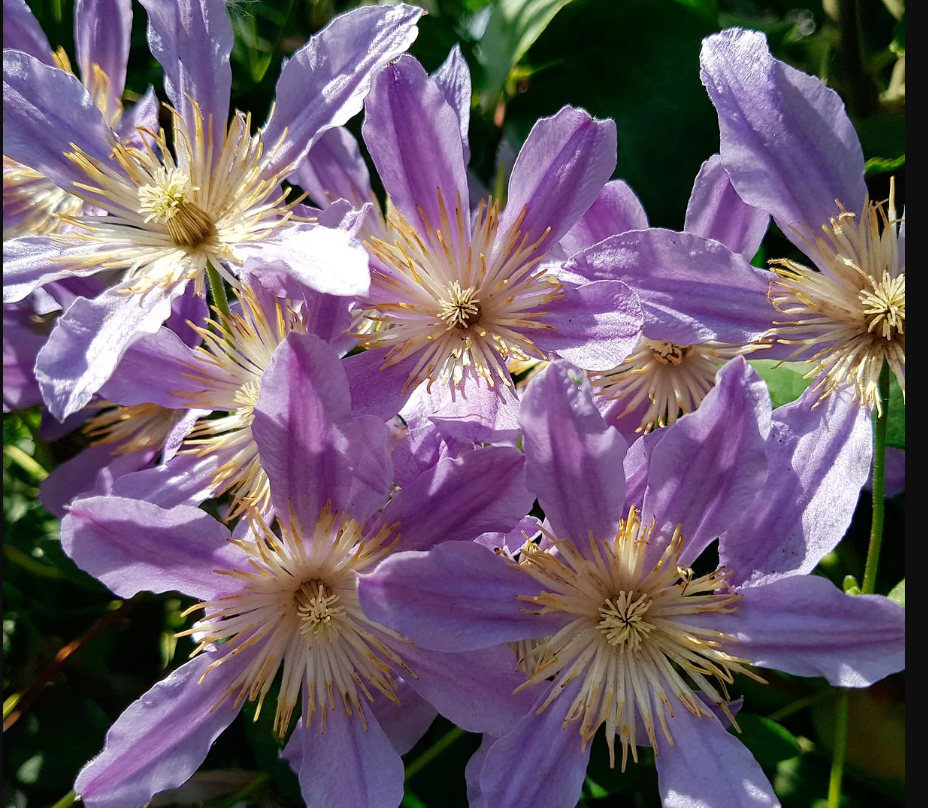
x,y
134,428
854,315
166,216
455,298
228,370
298,603
628,642
673,378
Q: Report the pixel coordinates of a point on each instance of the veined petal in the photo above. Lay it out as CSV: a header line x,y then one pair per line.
x,y
90,338
787,142
376,390
352,764
562,167
334,169
311,447
453,79
716,211
133,546
45,111
806,626
184,479
540,763
414,138
616,210
192,39
162,738
476,412
324,83
456,597
818,460
460,498
102,30
708,767
22,32
707,469
691,289
143,113
34,261
573,461
595,326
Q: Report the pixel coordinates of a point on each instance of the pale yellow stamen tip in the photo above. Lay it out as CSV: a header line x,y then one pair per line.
x,y
170,202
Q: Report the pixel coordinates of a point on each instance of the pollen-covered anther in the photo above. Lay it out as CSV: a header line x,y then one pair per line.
x,y
460,309
628,639
169,202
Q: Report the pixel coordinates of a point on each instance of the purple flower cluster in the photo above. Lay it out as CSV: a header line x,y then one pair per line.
x,y
354,413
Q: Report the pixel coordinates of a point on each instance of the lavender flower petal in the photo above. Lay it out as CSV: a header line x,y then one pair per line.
x,y
404,723
324,83
716,211
573,460
334,169
22,32
183,480
348,766
134,546
32,262
453,79
616,210
102,30
708,767
558,174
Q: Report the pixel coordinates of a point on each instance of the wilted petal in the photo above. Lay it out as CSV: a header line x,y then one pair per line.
x,y
558,174
162,738
787,142
89,340
573,460
324,83
806,626
540,763
134,546
707,469
311,447
192,39
716,211
818,460
102,30
348,765
45,111
414,138
708,767
594,326
691,289
458,596
616,210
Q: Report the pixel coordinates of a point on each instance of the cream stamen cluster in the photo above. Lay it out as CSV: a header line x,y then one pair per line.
x,y
228,368
673,378
628,642
855,314
298,607
456,297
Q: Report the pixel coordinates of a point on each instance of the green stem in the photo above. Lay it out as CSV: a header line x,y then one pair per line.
x,y
868,587
217,291
879,487
430,754
837,760
66,801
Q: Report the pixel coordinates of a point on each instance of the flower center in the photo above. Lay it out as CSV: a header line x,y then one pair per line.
x,y
623,619
460,309
316,635
629,641
459,297
850,320
667,353
169,202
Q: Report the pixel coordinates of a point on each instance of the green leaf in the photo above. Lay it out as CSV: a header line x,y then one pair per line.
x,y
637,62
784,379
769,741
897,593
895,429
514,25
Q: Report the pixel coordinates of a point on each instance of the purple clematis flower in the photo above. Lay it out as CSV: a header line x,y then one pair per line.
x,y
215,201
614,627
791,150
287,602
33,204
662,378
457,293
